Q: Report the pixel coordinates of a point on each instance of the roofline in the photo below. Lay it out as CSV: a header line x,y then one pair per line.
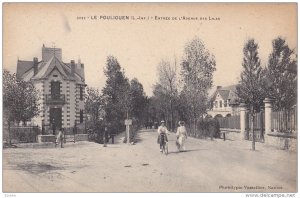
x,y
75,70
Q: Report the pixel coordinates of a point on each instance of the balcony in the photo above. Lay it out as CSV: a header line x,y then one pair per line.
x,y
57,99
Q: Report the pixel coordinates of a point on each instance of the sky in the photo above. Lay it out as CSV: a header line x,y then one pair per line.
x,y
139,45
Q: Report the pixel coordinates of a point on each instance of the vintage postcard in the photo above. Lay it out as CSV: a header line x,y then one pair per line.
x,y
150,97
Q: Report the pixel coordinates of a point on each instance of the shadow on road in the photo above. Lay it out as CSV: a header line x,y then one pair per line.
x,y
138,138
186,151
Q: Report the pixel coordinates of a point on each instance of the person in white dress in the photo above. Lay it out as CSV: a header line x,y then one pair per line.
x,y
162,129
181,135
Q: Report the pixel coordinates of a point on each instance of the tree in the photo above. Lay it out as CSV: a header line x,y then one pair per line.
x,y
116,94
282,75
197,68
94,104
20,99
167,80
138,101
250,88
160,103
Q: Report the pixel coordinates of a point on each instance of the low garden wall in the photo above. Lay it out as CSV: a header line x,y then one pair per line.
x,y
287,141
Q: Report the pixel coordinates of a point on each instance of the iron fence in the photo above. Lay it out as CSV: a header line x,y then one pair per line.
x,y
231,122
284,121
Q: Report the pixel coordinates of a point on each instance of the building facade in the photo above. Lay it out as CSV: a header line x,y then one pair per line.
x,y
224,102
61,86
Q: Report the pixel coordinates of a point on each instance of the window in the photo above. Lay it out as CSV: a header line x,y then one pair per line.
x,y
220,103
225,103
81,116
81,93
55,90
216,104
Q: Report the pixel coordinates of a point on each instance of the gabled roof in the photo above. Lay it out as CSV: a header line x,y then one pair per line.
x,y
46,68
53,63
227,93
224,93
80,72
23,67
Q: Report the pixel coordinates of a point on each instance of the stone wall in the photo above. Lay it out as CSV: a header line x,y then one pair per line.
x,y
81,137
46,138
276,140
282,141
231,134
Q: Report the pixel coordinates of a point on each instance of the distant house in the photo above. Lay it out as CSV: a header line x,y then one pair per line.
x,y
224,102
62,87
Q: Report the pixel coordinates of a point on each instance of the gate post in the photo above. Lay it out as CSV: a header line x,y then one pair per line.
x,y
243,121
268,117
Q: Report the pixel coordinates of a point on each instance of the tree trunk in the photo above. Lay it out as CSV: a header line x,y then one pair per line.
x,y
172,116
195,126
9,133
252,128
127,129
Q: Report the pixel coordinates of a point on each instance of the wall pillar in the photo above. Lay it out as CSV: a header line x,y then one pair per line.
x,y
243,121
268,117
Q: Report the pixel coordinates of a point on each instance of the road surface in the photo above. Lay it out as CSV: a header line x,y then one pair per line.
x,y
206,166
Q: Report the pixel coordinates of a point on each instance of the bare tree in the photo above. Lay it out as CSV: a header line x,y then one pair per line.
x,y
167,80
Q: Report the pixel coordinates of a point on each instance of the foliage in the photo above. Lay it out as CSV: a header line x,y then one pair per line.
x,y
20,98
116,94
160,103
123,99
251,85
94,104
282,75
167,85
206,128
138,101
197,68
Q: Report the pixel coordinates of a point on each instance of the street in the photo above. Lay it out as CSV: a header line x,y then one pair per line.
x,y
205,166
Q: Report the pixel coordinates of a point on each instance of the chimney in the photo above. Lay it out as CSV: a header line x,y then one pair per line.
x,y
35,65
73,67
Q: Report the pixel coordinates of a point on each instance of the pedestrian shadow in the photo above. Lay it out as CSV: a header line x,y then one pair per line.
x,y
186,151
137,138
231,140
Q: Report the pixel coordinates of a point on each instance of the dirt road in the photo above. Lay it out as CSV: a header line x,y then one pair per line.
x,y
206,166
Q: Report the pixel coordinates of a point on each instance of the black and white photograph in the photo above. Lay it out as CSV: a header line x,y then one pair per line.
x,y
150,98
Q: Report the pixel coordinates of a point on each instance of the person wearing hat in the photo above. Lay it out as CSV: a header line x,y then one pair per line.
x,y
181,135
162,129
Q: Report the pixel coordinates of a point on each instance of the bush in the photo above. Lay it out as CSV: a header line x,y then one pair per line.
x,y
207,128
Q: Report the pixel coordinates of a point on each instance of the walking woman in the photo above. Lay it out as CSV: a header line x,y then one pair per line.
x,y
181,135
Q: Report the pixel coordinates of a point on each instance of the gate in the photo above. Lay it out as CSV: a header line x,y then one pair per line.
x,y
259,127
